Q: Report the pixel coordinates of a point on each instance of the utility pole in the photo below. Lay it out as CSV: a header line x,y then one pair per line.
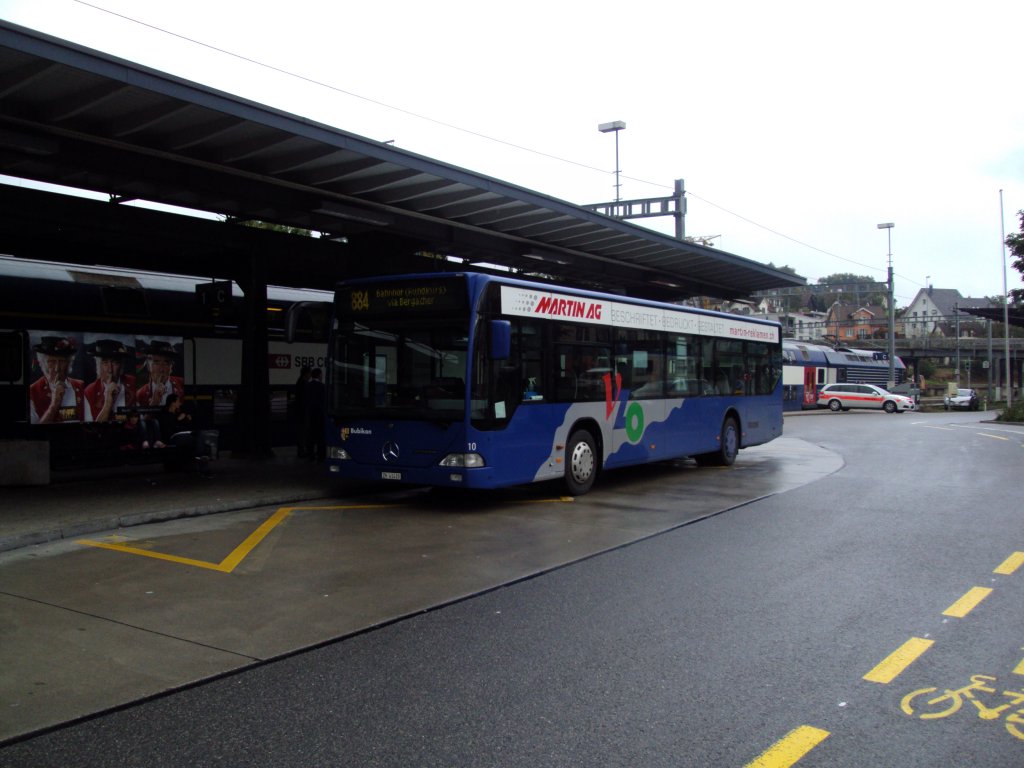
x,y
1006,306
614,127
956,309
887,226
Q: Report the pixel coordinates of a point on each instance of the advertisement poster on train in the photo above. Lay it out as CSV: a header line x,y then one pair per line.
x,y
158,366
100,377
57,391
110,362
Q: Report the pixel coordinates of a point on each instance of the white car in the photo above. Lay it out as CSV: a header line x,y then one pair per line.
x,y
843,397
966,399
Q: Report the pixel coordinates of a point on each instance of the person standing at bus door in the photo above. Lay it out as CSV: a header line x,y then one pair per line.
x,y
55,396
299,410
160,366
112,390
316,398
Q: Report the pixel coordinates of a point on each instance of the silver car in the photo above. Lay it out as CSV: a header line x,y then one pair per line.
x,y
966,399
843,397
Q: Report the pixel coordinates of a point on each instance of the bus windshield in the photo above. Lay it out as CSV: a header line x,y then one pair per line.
x,y
401,370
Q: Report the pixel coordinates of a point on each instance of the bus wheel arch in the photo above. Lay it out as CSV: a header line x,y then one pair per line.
x,y
583,451
729,443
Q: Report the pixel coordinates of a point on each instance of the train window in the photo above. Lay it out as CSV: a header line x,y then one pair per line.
x,y
124,302
10,357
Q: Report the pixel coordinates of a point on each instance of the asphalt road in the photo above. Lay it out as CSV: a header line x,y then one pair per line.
x,y
704,645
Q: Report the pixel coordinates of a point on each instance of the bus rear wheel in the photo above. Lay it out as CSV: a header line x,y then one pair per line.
x,y
580,462
728,447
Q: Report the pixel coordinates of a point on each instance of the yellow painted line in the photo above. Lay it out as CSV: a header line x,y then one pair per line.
x,y
945,429
238,554
1019,669
253,540
994,437
968,602
347,506
155,555
229,563
790,748
893,665
1010,564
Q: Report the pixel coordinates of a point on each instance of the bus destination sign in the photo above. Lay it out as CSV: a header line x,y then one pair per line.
x,y
402,297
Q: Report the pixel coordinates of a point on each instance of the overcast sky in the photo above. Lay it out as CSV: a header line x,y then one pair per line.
x,y
797,126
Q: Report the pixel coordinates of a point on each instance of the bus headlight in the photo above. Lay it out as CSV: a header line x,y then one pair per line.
x,y
334,452
463,460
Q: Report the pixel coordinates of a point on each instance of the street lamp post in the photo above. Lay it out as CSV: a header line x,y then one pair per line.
x,y
1006,306
614,127
956,318
892,310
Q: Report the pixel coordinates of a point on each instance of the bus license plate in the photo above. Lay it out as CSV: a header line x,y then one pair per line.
x,y
390,475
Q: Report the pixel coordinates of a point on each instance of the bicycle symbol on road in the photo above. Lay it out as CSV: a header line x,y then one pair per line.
x,y
948,703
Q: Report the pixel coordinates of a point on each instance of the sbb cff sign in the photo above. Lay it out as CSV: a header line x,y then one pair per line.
x,y
279,361
283,361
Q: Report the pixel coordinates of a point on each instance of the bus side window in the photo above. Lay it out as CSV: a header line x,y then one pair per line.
x,y
531,389
565,375
531,348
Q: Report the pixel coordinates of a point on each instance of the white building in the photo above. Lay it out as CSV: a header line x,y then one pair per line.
x,y
933,312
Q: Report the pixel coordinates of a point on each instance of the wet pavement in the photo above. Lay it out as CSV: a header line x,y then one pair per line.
x,y
115,589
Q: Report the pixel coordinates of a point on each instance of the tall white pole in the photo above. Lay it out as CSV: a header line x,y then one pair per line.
x,y
892,319
1006,303
892,310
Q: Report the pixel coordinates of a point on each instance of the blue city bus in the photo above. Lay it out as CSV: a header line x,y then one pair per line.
x,y
478,381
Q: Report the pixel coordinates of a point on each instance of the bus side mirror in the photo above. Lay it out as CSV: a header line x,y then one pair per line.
x,y
501,339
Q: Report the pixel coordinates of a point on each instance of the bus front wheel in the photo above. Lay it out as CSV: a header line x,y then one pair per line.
x,y
580,462
728,447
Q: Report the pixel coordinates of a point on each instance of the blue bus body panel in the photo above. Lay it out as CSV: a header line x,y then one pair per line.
x,y
631,432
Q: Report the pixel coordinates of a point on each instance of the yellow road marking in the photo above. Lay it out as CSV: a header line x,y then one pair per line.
x,y
994,437
154,555
227,565
790,748
237,555
1019,669
893,665
968,602
1010,564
